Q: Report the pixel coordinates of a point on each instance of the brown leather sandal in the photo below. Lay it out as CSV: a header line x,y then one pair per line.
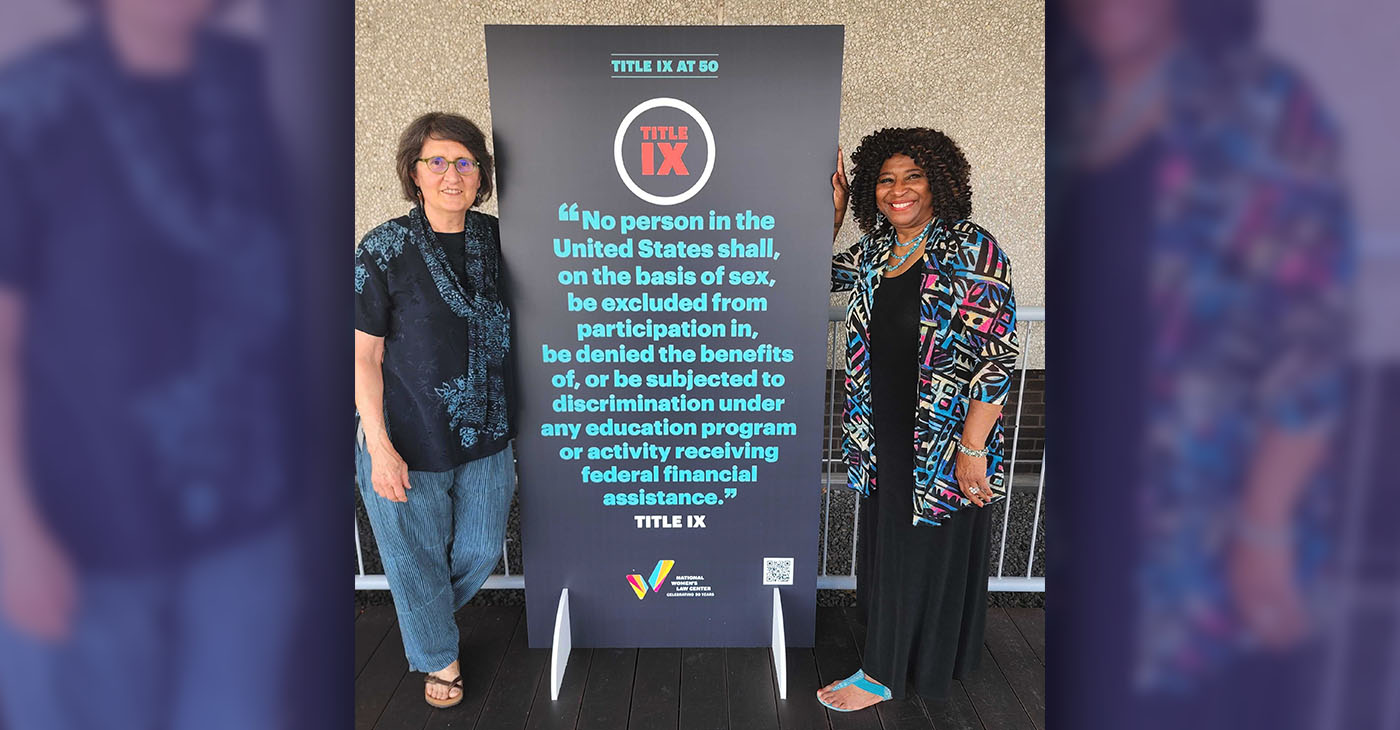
x,y
450,684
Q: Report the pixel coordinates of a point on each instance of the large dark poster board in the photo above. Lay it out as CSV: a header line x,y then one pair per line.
x,y
665,207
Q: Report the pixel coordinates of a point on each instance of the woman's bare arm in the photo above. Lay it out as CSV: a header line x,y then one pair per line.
x,y
38,583
390,473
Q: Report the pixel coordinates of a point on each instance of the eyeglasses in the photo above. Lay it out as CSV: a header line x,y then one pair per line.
x,y
439,165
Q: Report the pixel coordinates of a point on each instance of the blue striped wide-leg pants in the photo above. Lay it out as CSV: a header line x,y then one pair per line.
x,y
439,546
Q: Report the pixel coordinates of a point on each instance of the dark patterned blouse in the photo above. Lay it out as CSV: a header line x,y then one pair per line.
x,y
438,301
967,351
153,359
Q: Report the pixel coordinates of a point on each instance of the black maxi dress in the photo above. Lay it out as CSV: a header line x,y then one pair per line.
x,y
922,590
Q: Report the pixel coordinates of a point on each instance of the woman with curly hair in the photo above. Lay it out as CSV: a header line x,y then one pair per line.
x,y
930,345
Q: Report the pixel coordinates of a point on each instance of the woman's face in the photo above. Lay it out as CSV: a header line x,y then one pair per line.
x,y
451,193
1117,31
178,16
902,193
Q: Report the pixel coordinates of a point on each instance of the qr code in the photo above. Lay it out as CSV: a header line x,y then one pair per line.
x,y
777,571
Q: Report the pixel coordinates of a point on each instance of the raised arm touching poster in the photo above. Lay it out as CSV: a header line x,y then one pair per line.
x,y
665,205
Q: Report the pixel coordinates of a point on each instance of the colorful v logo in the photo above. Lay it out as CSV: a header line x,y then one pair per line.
x,y
658,576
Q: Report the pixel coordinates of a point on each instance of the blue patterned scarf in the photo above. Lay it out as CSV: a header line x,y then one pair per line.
x,y
477,402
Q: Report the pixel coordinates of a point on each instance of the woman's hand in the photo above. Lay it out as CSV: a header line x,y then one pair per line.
x,y
971,473
840,192
1264,586
1262,562
389,473
38,584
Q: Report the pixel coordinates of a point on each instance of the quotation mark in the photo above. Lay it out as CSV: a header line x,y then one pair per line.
x,y
568,212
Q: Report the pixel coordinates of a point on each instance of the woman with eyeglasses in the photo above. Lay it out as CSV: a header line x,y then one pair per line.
x,y
432,389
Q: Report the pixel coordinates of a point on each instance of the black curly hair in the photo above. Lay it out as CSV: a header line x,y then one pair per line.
x,y
934,152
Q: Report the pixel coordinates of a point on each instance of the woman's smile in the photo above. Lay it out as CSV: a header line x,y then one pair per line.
x,y
902,193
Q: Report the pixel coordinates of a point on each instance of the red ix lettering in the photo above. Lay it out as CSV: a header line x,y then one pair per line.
x,y
671,152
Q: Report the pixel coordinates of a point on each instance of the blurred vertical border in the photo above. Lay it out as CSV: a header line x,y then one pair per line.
x,y
175,397
1223,381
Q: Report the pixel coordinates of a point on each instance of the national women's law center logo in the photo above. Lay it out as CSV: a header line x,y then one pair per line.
x,y
658,577
664,151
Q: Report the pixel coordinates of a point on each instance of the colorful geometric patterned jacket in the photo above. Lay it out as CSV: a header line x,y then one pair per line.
x,y
1251,266
967,350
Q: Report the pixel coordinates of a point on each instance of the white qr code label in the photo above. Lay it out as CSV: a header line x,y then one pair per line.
x,y
777,571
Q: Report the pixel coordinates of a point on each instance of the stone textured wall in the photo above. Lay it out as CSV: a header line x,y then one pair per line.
x,y
971,68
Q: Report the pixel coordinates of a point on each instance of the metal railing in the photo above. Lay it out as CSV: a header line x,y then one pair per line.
x,y
840,518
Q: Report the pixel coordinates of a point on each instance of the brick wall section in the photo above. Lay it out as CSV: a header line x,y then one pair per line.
x,y
1030,449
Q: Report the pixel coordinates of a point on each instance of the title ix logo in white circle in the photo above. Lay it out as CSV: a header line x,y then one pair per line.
x,y
709,160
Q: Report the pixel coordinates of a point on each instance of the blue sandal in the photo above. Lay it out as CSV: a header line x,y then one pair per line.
x,y
862,682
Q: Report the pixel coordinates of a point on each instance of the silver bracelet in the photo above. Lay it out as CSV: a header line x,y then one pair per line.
x,y
977,453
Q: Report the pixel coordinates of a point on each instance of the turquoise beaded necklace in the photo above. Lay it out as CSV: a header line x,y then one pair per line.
x,y
913,245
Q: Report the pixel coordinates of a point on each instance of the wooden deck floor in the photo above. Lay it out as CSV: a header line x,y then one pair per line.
x,y
685,689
